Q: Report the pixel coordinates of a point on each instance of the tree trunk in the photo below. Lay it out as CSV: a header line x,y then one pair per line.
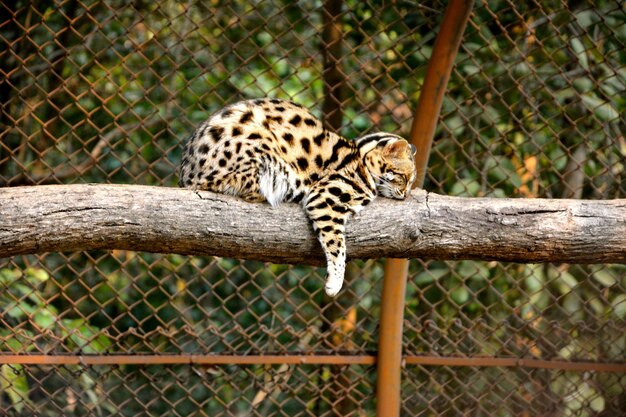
x,y
426,225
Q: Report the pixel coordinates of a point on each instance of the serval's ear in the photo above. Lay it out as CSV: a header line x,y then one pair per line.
x,y
396,150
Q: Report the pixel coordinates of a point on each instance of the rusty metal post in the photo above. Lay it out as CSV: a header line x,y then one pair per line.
x,y
389,360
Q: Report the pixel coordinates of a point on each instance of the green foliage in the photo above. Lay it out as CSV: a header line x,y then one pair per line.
x,y
32,324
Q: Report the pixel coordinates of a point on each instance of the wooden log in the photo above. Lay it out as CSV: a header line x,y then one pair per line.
x,y
64,218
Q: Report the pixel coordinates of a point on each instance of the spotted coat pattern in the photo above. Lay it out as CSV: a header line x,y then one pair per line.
x,y
275,150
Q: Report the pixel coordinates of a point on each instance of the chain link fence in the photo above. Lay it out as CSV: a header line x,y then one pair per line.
x,y
106,91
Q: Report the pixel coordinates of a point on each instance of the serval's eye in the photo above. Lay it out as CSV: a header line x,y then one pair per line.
x,y
401,180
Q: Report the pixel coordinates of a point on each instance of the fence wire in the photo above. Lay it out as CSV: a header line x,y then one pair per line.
x,y
106,91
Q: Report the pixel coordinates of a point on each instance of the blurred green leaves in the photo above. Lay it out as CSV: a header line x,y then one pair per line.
x,y
32,324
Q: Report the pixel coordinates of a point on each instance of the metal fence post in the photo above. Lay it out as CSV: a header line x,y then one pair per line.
x,y
389,361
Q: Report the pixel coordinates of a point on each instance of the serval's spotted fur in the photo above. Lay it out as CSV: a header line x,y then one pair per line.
x,y
274,150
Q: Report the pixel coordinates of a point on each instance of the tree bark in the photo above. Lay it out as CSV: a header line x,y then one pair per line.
x,y
60,218
334,78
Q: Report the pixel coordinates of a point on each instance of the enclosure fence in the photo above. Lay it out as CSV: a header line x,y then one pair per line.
x,y
107,91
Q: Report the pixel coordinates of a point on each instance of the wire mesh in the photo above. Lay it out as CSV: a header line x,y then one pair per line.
x,y
107,91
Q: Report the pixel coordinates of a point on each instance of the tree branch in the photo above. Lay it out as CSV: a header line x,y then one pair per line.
x,y
426,225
